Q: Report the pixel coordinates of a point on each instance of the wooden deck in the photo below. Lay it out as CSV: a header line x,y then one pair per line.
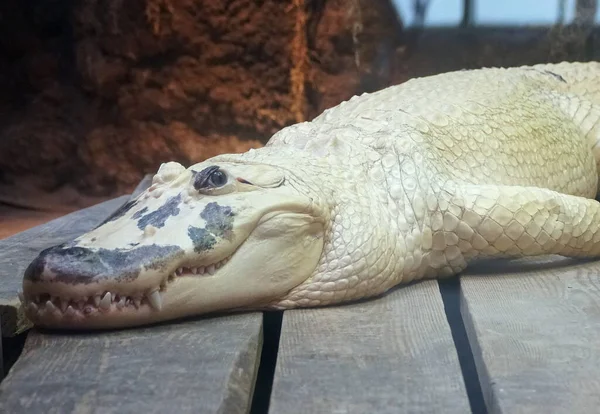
x,y
511,337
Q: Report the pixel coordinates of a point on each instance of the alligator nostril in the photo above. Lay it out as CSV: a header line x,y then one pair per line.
x,y
35,269
63,262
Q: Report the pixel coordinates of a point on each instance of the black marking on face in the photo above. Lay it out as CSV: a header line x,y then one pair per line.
x,y
201,238
80,265
219,223
158,217
139,213
120,212
219,219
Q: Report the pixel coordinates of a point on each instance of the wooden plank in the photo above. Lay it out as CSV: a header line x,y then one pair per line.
x,y
394,354
201,366
534,327
16,252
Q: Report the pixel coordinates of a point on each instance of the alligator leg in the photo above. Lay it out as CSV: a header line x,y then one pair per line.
x,y
513,221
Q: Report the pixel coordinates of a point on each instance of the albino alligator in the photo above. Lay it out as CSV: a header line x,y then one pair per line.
x,y
411,182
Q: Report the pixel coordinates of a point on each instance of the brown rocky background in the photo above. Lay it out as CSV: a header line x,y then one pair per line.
x,y
96,93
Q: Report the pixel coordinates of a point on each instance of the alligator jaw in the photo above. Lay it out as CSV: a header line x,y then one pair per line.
x,y
106,308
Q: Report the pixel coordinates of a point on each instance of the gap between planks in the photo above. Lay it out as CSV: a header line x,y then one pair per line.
x,y
534,327
392,354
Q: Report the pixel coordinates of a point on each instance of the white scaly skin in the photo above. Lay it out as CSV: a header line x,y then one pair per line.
x,y
410,182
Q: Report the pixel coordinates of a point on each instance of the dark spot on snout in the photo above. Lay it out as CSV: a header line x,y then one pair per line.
x,y
158,217
139,213
219,223
201,238
219,219
73,264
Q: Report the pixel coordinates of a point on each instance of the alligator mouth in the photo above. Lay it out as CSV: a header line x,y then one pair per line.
x,y
47,306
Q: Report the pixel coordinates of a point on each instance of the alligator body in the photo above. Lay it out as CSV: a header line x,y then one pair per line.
x,y
414,181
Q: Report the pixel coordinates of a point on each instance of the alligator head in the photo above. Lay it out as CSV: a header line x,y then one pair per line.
x,y
220,235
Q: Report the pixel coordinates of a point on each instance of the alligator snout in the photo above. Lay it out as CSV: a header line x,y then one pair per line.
x,y
80,265
64,264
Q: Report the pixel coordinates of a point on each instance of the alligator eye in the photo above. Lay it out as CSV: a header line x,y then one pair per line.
x,y
211,177
217,178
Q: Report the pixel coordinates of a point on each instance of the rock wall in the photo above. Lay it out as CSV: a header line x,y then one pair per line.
x,y
97,93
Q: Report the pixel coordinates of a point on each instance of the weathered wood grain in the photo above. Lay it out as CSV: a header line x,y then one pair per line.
x,y
534,326
197,366
389,355
16,252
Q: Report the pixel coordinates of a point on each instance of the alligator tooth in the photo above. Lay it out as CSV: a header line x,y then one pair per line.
x,y
194,270
97,300
21,297
179,271
201,270
32,307
211,269
50,306
121,303
106,301
137,302
70,311
155,300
